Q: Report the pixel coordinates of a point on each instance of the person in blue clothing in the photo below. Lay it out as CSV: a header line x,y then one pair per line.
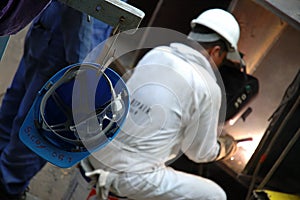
x,y
58,37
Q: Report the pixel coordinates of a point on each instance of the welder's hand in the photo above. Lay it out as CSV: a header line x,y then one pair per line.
x,y
228,146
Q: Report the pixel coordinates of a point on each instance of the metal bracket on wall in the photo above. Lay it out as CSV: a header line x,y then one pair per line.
x,y
113,12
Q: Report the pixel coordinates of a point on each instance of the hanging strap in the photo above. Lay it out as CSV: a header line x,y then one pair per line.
x,y
100,178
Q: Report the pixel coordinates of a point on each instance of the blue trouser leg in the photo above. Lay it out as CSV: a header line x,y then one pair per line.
x,y
52,42
10,106
18,164
100,33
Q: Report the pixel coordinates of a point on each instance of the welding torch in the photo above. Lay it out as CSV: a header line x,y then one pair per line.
x,y
244,139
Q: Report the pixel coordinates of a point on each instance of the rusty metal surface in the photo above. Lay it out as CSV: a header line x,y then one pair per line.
x,y
260,28
287,10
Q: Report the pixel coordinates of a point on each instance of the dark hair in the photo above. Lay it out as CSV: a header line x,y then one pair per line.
x,y
206,45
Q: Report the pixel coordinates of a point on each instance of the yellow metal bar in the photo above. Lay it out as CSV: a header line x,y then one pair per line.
x,y
273,195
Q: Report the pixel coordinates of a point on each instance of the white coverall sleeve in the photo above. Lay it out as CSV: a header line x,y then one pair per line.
x,y
200,135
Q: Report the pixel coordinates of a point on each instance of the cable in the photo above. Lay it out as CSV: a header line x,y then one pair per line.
x,y
279,160
265,154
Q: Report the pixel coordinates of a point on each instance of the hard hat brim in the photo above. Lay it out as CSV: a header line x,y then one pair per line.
x,y
34,137
233,53
201,37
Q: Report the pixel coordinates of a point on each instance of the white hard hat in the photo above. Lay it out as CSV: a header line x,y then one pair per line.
x,y
223,23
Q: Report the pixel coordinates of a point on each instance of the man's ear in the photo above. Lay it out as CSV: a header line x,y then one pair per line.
x,y
216,56
215,51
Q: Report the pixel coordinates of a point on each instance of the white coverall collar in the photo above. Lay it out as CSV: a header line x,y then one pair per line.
x,y
192,56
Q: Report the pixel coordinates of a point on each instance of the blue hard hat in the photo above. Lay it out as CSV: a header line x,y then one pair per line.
x,y
78,111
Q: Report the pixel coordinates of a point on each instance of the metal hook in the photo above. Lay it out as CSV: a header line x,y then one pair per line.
x,y
107,61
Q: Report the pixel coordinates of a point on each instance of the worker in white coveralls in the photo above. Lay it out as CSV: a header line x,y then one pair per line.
x,y
175,105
